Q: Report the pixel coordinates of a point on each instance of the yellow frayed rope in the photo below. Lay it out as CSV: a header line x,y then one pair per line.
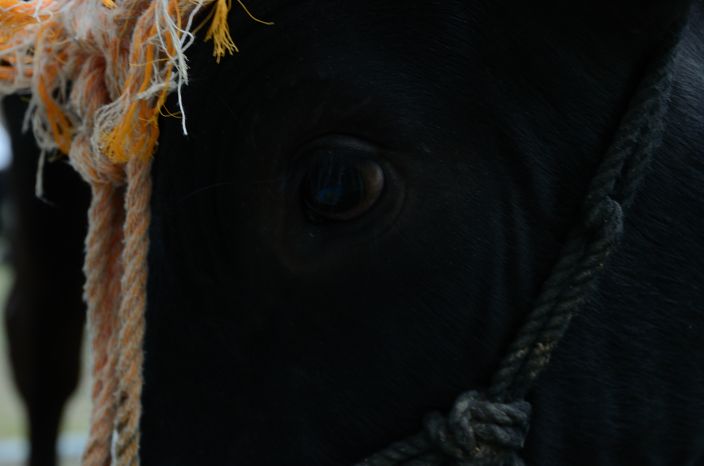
x,y
128,63
98,73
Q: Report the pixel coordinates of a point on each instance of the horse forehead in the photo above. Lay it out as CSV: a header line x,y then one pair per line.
x,y
389,46
396,8
324,18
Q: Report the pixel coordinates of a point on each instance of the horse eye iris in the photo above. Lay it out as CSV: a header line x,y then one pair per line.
x,y
340,188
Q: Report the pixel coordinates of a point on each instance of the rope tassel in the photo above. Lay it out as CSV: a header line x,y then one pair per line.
x,y
219,31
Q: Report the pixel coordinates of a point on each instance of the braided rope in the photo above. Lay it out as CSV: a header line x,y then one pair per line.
x,y
490,429
131,313
116,287
101,292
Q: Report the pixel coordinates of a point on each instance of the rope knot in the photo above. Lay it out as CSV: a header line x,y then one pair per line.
x,y
94,167
480,430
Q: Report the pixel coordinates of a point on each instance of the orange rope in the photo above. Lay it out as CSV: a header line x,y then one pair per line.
x,y
99,73
102,265
131,311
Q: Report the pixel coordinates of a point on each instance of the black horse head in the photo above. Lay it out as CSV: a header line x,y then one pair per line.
x,y
368,202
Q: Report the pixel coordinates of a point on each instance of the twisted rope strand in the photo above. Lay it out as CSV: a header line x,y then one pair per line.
x,y
131,312
101,292
520,347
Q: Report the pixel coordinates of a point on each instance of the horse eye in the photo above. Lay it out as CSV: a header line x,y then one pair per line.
x,y
339,186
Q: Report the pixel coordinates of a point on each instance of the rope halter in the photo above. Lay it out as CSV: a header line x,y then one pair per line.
x,y
99,72
491,428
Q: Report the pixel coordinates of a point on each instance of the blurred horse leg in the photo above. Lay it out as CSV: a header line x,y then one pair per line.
x,y
44,313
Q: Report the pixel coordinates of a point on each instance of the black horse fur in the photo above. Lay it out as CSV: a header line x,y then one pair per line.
x,y
276,340
275,337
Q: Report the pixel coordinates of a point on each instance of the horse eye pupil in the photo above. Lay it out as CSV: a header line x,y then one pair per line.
x,y
338,188
334,196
